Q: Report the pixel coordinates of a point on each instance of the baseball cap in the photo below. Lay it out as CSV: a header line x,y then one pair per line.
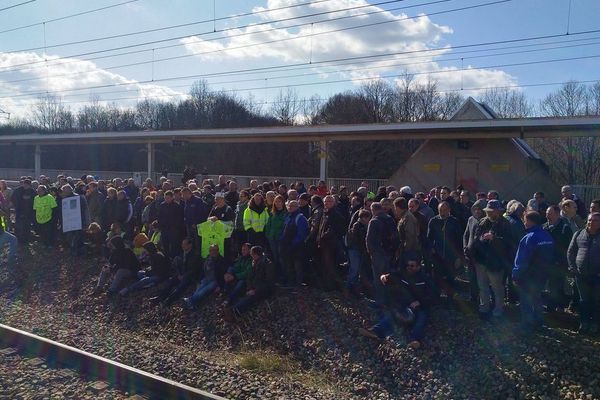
x,y
493,205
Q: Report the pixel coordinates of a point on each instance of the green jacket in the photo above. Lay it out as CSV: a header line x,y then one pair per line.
x,y
242,267
274,227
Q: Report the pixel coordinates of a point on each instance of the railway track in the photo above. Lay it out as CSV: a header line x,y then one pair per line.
x,y
96,368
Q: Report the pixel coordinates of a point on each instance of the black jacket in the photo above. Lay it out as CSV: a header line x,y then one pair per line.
x,y
357,237
170,217
496,254
124,259
160,266
584,253
562,234
261,278
407,288
331,228
444,237
109,212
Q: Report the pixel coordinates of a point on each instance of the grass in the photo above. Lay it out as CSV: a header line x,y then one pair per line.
x,y
266,362
274,364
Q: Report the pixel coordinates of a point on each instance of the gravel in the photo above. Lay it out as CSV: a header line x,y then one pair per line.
x,y
31,378
301,346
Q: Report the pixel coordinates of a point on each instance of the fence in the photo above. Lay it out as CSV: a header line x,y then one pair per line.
x,y
243,180
586,193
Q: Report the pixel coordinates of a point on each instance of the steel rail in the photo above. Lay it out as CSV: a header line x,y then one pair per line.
x,y
91,366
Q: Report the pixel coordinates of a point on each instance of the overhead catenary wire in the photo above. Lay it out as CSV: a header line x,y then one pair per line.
x,y
84,41
342,61
28,65
157,29
353,69
287,85
66,17
17,5
469,89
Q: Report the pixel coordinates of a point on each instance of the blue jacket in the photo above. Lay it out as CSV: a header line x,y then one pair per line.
x,y
195,211
535,256
295,230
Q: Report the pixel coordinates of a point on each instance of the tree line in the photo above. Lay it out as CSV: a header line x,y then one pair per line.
x,y
573,160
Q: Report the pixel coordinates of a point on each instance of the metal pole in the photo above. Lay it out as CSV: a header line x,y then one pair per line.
x,y
150,149
323,160
38,161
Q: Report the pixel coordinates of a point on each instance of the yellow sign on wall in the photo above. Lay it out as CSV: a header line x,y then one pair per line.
x,y
432,167
500,167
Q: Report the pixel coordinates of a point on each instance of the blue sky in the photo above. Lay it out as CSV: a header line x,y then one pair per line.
x,y
201,53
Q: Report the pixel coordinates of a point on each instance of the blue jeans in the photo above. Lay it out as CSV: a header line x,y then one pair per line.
x,y
235,290
386,325
143,282
357,259
9,239
205,288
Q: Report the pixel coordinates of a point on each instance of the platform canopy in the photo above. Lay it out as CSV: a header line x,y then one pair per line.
x,y
523,128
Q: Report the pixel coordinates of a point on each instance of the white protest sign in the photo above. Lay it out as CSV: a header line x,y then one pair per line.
x,y
71,214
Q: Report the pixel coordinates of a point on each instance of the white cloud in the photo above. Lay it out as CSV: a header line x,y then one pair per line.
x,y
62,75
395,32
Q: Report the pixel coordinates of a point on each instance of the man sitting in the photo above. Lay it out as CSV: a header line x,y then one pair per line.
x,y
160,270
122,264
212,282
188,270
235,278
260,284
413,293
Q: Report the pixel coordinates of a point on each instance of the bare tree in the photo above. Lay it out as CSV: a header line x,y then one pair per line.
x,y
310,110
507,103
378,99
50,115
574,160
286,106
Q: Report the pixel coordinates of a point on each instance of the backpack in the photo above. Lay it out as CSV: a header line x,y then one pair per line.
x,y
390,238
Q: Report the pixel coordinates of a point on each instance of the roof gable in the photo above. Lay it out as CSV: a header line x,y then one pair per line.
x,y
471,109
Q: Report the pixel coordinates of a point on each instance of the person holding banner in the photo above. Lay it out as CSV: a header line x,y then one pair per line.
x,y
74,218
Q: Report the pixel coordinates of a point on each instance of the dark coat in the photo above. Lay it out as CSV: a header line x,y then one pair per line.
x,y
496,254
331,228
444,237
584,253
261,278
170,218
562,234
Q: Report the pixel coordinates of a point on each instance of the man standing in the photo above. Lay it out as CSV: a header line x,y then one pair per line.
x,y
584,260
195,212
75,237
382,242
535,254
408,230
331,230
171,223
493,255
567,194
561,233
22,199
293,236
445,239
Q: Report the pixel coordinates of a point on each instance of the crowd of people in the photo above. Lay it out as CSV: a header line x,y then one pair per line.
x,y
400,251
